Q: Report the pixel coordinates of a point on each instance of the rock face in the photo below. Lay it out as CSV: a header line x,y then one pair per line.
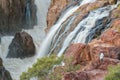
x,y
75,51
4,74
91,67
22,46
93,71
15,15
77,17
54,11
57,7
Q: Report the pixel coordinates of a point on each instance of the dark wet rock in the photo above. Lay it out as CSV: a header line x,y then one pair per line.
x,y
22,46
4,74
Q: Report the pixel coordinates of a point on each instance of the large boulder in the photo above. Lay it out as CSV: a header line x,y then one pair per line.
x,y
21,46
16,15
4,74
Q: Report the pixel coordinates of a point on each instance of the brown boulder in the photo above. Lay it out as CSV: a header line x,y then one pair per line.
x,y
21,46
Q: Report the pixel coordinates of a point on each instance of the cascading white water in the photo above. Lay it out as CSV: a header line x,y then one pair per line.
x,y
67,27
80,33
89,23
86,27
27,14
17,66
45,48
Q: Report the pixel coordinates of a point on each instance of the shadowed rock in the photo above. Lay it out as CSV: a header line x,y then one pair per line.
x,y
16,15
4,74
22,46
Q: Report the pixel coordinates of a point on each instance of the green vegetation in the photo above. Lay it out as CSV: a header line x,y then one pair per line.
x,y
116,12
117,15
42,68
69,64
58,72
114,73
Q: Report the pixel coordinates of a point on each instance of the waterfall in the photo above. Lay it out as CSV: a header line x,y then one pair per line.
x,y
86,29
15,65
45,48
88,24
83,29
28,13
83,32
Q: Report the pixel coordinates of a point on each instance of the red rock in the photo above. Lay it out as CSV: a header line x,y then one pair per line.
x,y
115,13
111,36
96,64
94,71
57,6
76,76
74,51
96,74
54,11
109,51
116,24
